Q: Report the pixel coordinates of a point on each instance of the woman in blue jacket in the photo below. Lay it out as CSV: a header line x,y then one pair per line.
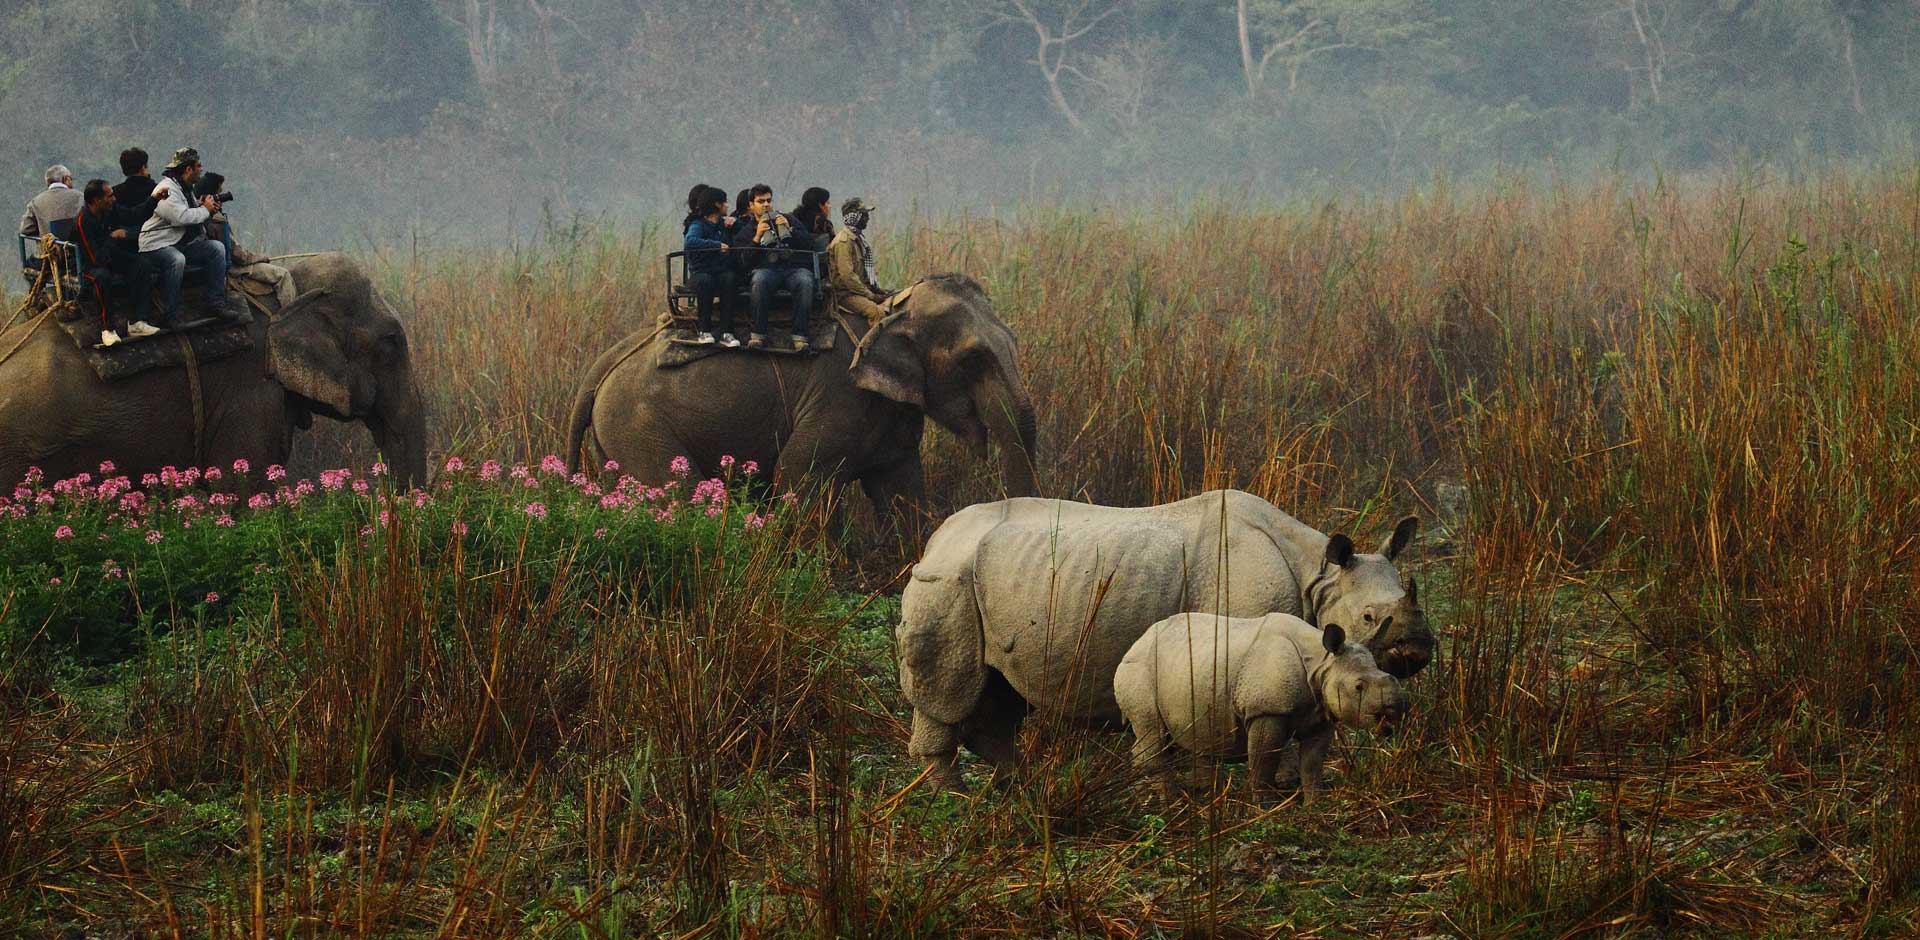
x,y
709,274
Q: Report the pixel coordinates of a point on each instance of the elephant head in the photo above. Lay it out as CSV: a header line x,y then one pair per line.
x,y
340,350
951,357
1365,592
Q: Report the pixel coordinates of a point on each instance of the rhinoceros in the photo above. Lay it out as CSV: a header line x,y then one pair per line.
x,y
1028,602
1218,686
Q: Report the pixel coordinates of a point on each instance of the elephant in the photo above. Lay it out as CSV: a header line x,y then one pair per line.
x,y
845,415
337,350
1216,686
1032,603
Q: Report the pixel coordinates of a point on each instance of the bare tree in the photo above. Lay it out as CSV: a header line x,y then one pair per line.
x,y
1292,33
1056,27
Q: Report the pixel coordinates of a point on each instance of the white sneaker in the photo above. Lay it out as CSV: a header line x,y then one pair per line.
x,y
704,339
142,328
109,337
728,340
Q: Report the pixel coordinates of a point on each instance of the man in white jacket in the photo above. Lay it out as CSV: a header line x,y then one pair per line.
x,y
172,238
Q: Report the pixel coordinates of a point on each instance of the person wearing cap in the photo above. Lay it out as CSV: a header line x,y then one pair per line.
x,y
172,238
59,201
850,267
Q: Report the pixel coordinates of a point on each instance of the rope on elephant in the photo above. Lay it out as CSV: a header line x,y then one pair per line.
x,y
32,326
895,303
199,403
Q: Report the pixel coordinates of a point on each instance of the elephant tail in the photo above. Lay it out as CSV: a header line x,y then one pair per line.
x,y
580,420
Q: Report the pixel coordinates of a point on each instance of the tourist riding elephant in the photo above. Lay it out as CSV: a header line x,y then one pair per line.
x,y
337,350
823,418
1032,603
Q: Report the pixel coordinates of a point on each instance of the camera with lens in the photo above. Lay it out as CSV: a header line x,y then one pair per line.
x,y
223,197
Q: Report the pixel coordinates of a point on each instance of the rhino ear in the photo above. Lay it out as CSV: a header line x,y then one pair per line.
x,y
1334,637
1402,536
1339,550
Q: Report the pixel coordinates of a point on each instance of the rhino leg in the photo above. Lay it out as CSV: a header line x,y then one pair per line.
x,y
993,730
1266,745
1153,752
937,744
1313,762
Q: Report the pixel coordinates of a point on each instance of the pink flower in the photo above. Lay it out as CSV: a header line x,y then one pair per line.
x,y
366,530
35,475
148,479
303,489
455,465
600,533
55,582
259,501
490,470
420,499
750,468
755,520
241,466
154,536
553,466
224,522
530,482
536,510
213,597
190,477
715,509
386,518
610,466
726,461
378,469
360,487
276,473
459,528
64,532
335,479
212,474
680,466
106,468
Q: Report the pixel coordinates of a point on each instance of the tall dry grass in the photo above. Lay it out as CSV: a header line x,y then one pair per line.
x,y
1664,437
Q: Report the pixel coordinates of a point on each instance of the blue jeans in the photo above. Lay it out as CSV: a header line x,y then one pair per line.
x,y
169,266
797,280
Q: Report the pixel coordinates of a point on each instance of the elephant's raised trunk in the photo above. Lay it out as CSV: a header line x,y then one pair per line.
x,y
1008,410
399,426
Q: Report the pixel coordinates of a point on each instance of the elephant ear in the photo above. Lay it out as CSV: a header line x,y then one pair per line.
x,y
304,355
942,669
891,366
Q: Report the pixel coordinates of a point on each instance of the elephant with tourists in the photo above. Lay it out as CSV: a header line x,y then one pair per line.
x,y
215,395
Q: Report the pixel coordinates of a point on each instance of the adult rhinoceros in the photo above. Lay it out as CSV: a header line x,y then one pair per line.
x,y
1033,603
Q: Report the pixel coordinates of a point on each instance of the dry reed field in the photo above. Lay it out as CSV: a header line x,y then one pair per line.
x,y
1665,438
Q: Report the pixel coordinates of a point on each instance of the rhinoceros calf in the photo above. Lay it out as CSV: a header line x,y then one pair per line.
x,y
1219,686
1031,603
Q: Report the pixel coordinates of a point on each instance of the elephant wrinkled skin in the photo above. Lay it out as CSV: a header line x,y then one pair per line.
x,y
337,350
821,418
1032,603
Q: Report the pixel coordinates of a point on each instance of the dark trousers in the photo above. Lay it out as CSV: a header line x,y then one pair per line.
x,y
797,280
706,286
169,265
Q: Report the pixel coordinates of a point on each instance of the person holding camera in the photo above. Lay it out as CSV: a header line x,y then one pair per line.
x,y
785,260
172,237
241,263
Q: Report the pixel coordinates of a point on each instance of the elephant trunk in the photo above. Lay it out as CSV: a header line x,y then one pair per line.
x,y
399,426
1008,409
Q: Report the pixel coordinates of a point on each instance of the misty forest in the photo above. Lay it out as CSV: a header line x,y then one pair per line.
x,y
960,468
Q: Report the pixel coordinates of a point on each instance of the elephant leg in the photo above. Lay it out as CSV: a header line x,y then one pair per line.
x,y
1266,740
898,494
993,730
937,744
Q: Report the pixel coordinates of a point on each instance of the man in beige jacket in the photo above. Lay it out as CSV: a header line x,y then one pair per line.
x,y
850,266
